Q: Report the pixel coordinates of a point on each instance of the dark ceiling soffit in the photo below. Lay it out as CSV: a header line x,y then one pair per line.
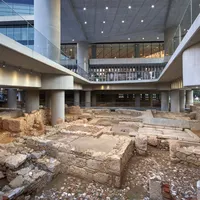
x,y
72,7
167,14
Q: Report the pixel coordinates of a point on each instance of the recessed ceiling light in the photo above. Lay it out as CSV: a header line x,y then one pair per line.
x,y
106,7
84,8
129,7
152,6
85,22
158,38
143,38
142,20
184,29
129,38
70,49
72,40
123,21
104,22
101,31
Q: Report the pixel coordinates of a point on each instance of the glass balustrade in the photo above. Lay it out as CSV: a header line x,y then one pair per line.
x,y
191,13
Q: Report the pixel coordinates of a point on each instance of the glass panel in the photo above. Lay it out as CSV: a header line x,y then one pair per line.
x,y
10,32
131,50
155,50
17,33
123,50
107,50
115,51
147,50
141,47
100,51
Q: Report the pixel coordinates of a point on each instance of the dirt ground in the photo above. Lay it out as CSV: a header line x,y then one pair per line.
x,y
135,182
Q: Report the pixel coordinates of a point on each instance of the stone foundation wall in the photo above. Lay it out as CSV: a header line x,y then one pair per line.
x,y
185,152
34,120
105,168
133,113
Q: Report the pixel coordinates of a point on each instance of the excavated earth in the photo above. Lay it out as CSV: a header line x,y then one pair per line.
x,y
98,154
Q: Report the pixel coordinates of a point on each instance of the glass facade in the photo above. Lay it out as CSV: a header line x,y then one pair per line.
x,y
69,50
16,9
119,50
20,33
127,50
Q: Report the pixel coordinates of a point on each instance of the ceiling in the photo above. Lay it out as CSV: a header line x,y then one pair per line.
x,y
163,14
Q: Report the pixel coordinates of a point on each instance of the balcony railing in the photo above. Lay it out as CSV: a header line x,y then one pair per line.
x,y
189,16
125,73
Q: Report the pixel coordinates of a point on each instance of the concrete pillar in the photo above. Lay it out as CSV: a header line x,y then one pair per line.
x,y
47,20
164,101
82,55
137,100
151,100
12,98
175,101
94,99
77,98
189,98
48,99
57,107
32,100
88,99
182,100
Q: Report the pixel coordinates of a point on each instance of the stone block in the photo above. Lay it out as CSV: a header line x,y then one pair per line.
x,y
101,178
14,161
1,175
17,182
49,164
141,144
152,141
155,188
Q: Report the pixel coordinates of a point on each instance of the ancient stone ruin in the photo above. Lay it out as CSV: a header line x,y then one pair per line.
x,y
98,153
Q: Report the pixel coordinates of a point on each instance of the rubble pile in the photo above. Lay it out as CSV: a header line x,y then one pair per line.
x,y
25,170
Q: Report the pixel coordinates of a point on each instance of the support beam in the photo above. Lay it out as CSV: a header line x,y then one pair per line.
x,y
77,98
32,100
12,98
182,100
164,101
82,55
88,99
189,98
57,107
175,101
137,100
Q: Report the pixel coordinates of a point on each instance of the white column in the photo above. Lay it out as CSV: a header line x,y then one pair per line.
x,y
57,107
47,20
164,101
189,98
12,98
82,55
32,100
77,98
182,100
137,100
88,99
175,101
